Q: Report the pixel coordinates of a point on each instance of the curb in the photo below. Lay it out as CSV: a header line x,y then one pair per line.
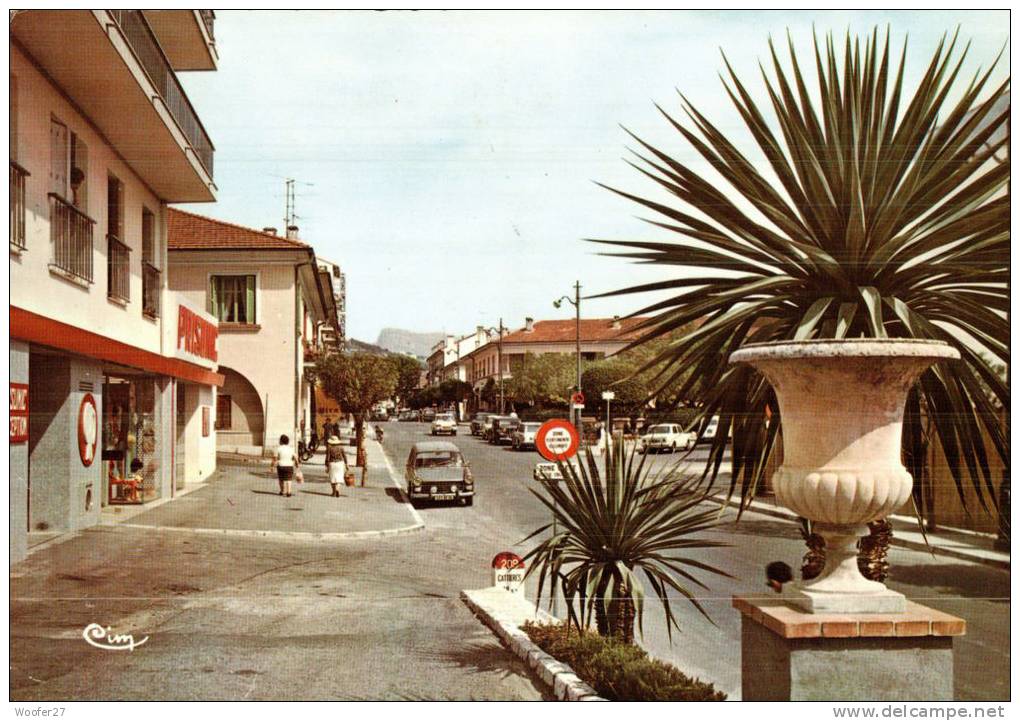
x,y
281,535
558,676
778,512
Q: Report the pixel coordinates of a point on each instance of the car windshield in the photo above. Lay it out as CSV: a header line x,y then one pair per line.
x,y
532,426
444,417
659,429
438,459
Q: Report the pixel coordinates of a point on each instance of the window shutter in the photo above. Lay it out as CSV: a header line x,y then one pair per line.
x,y
249,311
214,306
58,158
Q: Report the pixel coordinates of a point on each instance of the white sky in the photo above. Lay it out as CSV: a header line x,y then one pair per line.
x,y
445,160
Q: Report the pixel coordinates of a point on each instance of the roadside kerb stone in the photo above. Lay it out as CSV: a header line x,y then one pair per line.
x,y
504,613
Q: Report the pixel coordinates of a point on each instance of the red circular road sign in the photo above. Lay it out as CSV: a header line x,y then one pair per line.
x,y
507,560
557,440
577,398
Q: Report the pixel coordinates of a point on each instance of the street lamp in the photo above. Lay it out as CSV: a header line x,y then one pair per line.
x,y
499,360
576,302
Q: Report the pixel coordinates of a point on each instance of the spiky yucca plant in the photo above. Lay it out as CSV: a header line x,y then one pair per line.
x,y
873,214
618,526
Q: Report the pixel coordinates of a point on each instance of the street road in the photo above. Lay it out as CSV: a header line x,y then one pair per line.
x,y
505,512
268,618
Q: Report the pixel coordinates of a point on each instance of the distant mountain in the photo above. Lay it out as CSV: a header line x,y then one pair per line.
x,y
406,341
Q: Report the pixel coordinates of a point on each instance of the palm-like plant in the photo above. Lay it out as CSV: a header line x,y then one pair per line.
x,y
615,528
882,216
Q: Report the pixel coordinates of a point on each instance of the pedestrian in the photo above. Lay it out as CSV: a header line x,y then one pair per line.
x,y
336,464
285,462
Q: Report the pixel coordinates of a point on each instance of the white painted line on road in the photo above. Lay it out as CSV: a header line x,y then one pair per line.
x,y
403,494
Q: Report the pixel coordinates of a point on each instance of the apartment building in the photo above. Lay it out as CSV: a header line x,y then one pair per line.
x,y
107,366
275,306
598,338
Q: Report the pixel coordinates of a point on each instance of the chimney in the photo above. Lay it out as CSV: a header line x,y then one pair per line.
x,y
616,322
529,325
269,230
292,233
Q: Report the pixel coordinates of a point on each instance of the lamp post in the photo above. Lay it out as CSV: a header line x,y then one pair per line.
x,y
608,396
576,302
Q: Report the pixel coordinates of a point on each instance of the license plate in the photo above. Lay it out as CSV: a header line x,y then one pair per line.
x,y
444,496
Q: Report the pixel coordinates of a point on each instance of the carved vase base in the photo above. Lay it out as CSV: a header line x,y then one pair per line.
x,y
882,601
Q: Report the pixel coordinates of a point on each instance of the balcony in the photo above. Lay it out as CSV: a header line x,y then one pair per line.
x,y
17,206
118,270
152,282
116,73
186,37
71,238
149,53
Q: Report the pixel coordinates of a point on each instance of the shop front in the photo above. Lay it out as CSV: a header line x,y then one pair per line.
x,y
132,439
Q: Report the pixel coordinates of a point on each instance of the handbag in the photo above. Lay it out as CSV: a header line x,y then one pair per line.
x,y
299,475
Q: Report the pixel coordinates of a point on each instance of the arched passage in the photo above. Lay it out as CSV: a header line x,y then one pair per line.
x,y
240,419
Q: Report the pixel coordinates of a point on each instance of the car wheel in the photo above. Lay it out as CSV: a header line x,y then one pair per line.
x,y
453,433
467,501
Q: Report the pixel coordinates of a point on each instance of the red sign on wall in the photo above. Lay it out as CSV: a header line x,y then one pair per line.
x,y
19,413
195,334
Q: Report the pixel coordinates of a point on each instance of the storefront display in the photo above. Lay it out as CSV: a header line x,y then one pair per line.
x,y
130,439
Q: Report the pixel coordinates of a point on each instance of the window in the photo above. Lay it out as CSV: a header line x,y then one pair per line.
x,y
70,225
118,258
223,406
151,276
232,298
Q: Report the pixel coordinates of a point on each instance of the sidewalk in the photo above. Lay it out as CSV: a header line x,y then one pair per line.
x,y
242,500
951,542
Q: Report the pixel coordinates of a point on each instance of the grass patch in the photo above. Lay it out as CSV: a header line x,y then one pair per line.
x,y
618,671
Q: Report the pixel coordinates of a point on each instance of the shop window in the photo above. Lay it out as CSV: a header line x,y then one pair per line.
x,y
151,275
232,298
223,406
118,259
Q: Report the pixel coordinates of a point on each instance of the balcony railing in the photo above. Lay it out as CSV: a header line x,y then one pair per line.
x,y
71,236
118,268
17,207
208,17
149,53
151,283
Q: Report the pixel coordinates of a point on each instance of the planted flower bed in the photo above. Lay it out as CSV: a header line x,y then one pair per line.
x,y
618,671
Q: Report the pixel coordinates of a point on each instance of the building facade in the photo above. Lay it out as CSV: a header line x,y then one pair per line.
x,y
495,359
111,373
273,304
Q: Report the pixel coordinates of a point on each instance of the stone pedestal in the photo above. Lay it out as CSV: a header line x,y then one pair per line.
x,y
788,654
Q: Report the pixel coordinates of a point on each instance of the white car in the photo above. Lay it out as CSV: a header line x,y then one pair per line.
x,y
524,436
444,423
710,429
667,437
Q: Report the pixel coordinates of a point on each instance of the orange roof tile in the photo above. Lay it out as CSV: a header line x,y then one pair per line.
x,y
188,231
562,331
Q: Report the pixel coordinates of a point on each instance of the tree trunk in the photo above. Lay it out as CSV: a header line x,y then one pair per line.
x,y
601,613
621,615
359,439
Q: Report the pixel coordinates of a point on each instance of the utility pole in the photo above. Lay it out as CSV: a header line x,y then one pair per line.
x,y
499,358
576,302
288,215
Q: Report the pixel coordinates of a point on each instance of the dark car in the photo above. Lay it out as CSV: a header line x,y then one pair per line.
x,y
409,416
437,471
477,422
428,415
503,430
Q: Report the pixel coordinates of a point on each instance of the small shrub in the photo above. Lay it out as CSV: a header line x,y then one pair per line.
x,y
616,670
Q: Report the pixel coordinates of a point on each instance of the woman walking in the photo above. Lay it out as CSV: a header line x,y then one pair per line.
x,y
336,464
286,461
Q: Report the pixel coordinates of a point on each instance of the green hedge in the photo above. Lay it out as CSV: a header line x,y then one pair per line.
x,y
616,670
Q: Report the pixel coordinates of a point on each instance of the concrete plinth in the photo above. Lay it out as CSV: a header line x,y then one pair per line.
x,y
790,655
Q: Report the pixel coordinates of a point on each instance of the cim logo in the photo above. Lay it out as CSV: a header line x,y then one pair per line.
x,y
103,638
196,335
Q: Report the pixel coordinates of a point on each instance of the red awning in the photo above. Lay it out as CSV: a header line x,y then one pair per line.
x,y
33,328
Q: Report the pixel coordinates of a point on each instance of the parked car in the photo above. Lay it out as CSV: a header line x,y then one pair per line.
x,y
487,426
524,435
444,423
409,416
428,415
666,437
437,471
503,429
477,422
376,416
710,429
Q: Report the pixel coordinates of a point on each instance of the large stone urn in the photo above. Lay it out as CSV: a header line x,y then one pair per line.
x,y
842,405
